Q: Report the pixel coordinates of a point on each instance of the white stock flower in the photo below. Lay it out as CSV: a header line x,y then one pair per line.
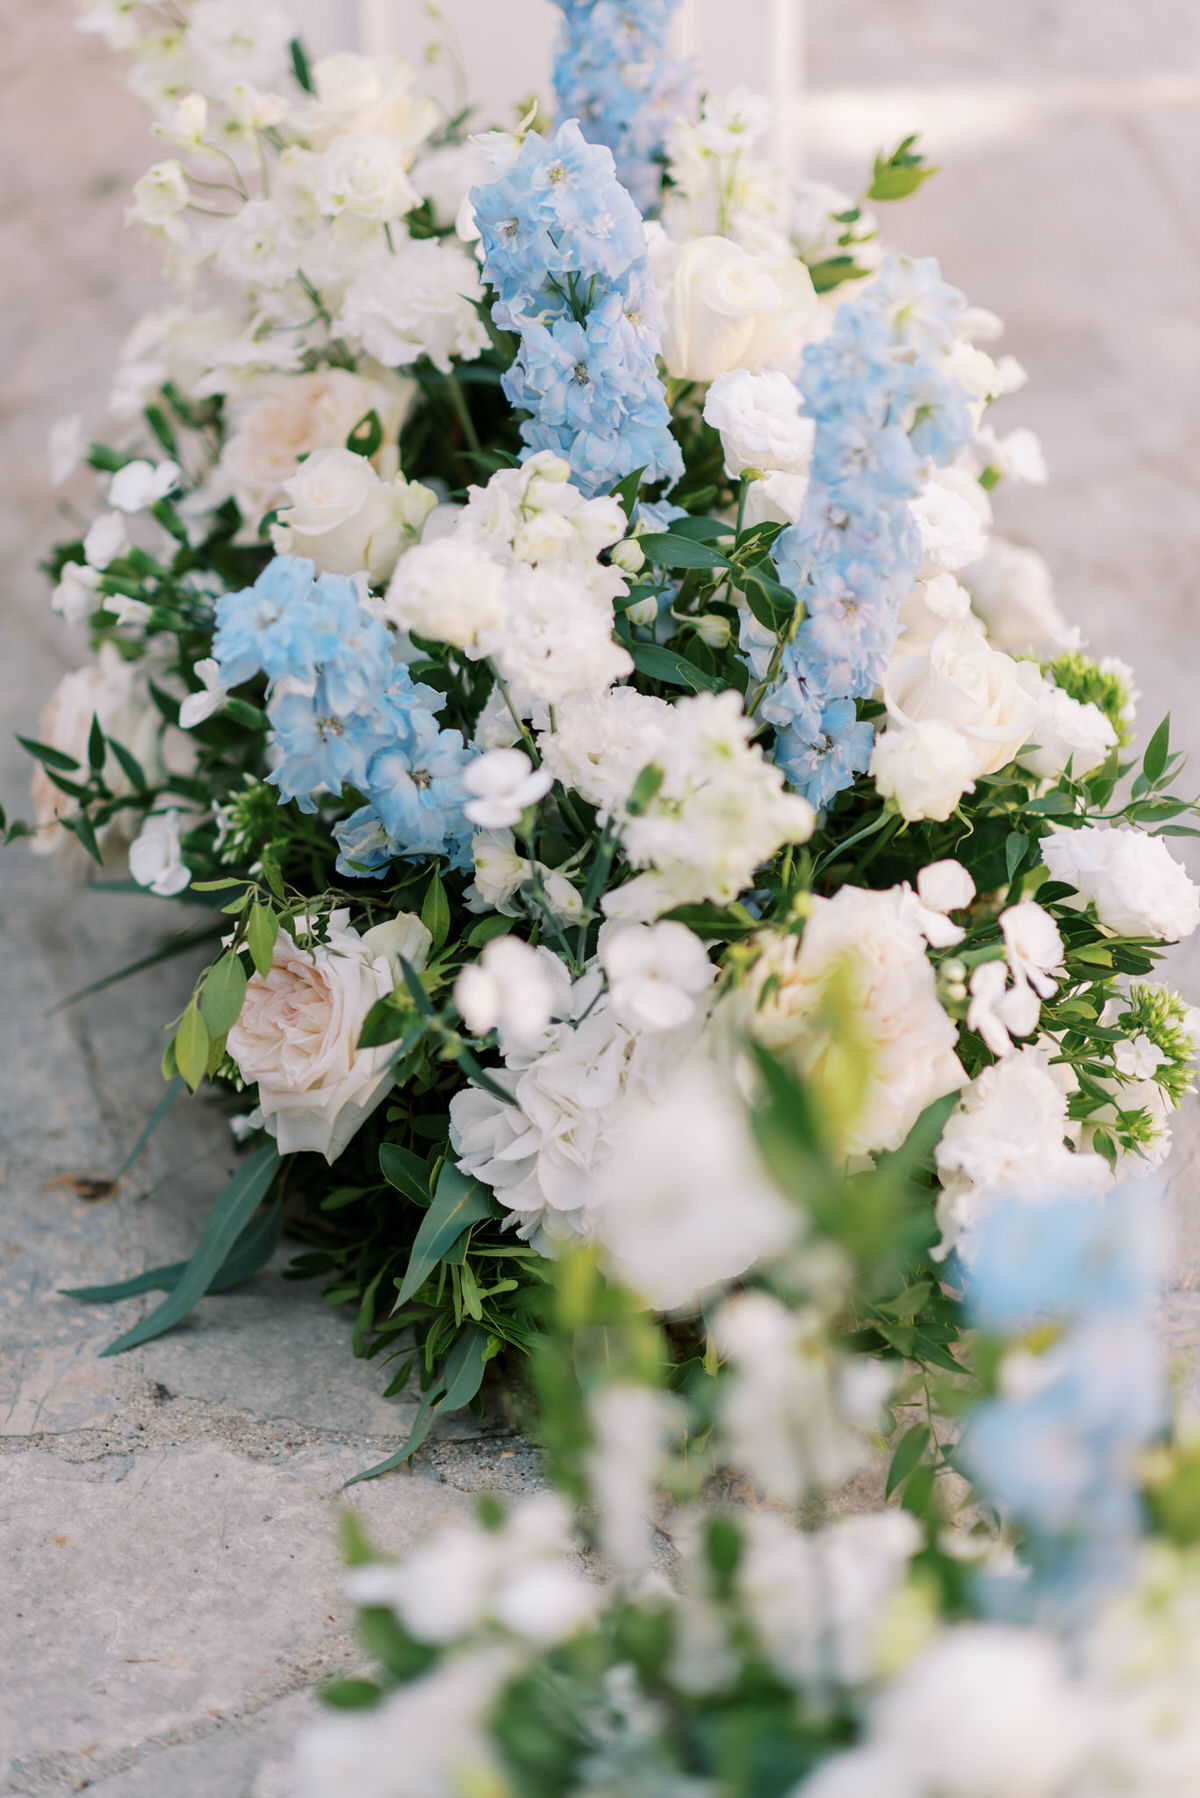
x,y
64,448
205,704
512,988
1067,731
297,1036
908,1042
792,1411
365,174
137,486
759,422
992,701
107,539
656,973
76,595
345,518
1012,591
155,858
283,418
1132,879
159,197
504,784
447,590
1007,1139
686,1205
420,302
924,768
729,309
945,886
536,514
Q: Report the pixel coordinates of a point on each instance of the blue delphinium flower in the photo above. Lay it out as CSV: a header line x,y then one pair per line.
x,y
613,72
884,413
565,251
1058,1448
344,714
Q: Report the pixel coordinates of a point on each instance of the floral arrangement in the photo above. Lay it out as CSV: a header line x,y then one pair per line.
x,y
545,620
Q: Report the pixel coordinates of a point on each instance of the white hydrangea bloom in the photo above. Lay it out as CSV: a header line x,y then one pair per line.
x,y
448,590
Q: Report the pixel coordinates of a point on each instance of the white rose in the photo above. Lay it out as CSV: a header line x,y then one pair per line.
x,y
925,768
1012,591
1068,730
345,518
1133,880
759,422
991,700
284,418
447,590
298,1031
728,309
364,173
155,858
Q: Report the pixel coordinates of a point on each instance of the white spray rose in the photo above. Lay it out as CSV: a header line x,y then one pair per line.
x,y
992,701
729,309
1133,880
925,768
759,422
346,519
298,1032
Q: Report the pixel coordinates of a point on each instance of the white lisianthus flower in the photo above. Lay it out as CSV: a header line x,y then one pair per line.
x,y
687,1205
258,246
106,540
64,448
504,784
512,988
297,1036
729,309
1007,1139
501,871
1132,879
656,973
448,590
137,486
776,499
76,595
1012,591
155,858
205,704
420,302
878,940
992,701
1067,731
924,768
759,422
283,418
946,886
953,514
345,518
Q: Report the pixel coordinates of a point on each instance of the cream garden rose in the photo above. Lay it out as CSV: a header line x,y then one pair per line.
x,y
298,1032
727,308
284,418
992,701
346,519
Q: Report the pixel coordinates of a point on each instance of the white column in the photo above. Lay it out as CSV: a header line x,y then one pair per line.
x,y
687,29
785,77
376,25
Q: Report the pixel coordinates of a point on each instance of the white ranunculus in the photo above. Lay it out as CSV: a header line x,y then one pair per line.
x,y
656,973
346,519
284,418
503,783
925,768
992,701
155,858
952,513
759,422
908,1041
1067,731
365,174
728,309
422,301
298,1032
1132,879
1012,591
512,988
447,590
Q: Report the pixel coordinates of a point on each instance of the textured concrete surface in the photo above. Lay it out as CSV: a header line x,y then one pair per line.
x,y
167,1517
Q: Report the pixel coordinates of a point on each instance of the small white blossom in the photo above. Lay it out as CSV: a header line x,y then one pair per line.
x,y
155,858
106,540
139,485
505,784
199,706
75,596
656,974
64,447
1033,946
512,988
945,886
997,1011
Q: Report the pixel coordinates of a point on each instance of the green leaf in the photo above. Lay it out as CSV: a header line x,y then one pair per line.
x,y
351,1694
253,1249
461,1379
97,754
644,788
130,766
700,530
405,1171
261,932
898,183
770,601
457,1203
908,1453
672,669
300,66
1015,847
191,1046
222,994
668,549
1157,750
435,910
715,923
366,436
49,758
627,490
486,929
174,1088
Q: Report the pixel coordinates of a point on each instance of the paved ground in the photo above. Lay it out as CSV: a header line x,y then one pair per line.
x,y
167,1517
